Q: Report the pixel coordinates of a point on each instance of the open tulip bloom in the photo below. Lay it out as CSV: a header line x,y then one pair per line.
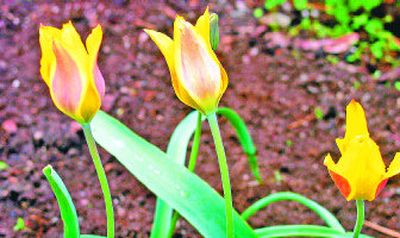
x,y
360,174
76,86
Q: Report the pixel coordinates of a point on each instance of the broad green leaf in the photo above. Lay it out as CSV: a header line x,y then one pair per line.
x,y
187,193
67,208
177,148
322,212
244,138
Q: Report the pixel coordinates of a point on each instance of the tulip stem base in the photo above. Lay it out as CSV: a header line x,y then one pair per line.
x,y
360,218
192,164
102,179
223,166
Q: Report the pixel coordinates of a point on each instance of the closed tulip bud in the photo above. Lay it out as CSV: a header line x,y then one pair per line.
x,y
360,174
214,31
70,70
198,78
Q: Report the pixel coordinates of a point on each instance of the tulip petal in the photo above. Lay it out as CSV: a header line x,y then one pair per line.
x,y
73,42
46,36
66,85
196,68
380,187
203,26
356,123
394,167
93,42
340,181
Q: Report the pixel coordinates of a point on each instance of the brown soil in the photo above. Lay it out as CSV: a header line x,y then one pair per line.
x,y
275,91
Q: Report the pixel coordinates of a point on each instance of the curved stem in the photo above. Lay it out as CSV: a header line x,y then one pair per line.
x,y
102,179
298,231
223,166
360,218
192,164
322,212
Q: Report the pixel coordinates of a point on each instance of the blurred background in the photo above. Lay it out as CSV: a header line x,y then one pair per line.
x,y
293,67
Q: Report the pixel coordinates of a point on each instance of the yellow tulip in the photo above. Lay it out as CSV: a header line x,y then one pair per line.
x,y
198,78
70,70
360,173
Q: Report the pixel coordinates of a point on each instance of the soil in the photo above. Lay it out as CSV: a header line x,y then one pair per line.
x,y
275,90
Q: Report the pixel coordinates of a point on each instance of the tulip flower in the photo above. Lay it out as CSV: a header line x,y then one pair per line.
x,y
70,70
198,78
360,174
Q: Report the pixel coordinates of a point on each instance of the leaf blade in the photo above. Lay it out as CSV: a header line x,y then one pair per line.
x,y
173,183
65,203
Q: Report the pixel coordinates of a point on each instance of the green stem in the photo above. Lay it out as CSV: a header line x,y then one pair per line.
x,y
196,144
102,179
192,164
322,212
360,218
223,166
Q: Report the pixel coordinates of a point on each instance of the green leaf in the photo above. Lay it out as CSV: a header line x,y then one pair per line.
x,y
300,4
258,12
244,138
177,149
319,114
322,212
3,165
187,193
64,200
397,85
273,3
19,225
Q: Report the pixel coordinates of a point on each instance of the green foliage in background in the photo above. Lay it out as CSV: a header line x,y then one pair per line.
x,y
350,16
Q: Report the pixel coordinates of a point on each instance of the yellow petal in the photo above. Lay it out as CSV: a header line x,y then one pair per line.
x,y
93,41
340,180
363,167
356,123
203,26
165,44
197,70
47,62
394,167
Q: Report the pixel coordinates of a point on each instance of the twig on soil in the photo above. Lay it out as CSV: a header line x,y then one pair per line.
x,y
301,121
382,229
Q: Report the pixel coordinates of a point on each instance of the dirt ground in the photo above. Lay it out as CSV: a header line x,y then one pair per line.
x,y
274,90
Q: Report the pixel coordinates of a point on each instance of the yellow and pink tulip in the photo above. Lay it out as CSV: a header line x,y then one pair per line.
x,y
198,78
70,70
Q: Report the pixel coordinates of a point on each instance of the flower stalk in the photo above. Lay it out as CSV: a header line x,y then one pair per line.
x,y
102,179
223,166
360,218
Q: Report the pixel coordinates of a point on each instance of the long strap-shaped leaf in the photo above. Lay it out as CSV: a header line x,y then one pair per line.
x,y
64,200
322,212
244,137
176,150
192,197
